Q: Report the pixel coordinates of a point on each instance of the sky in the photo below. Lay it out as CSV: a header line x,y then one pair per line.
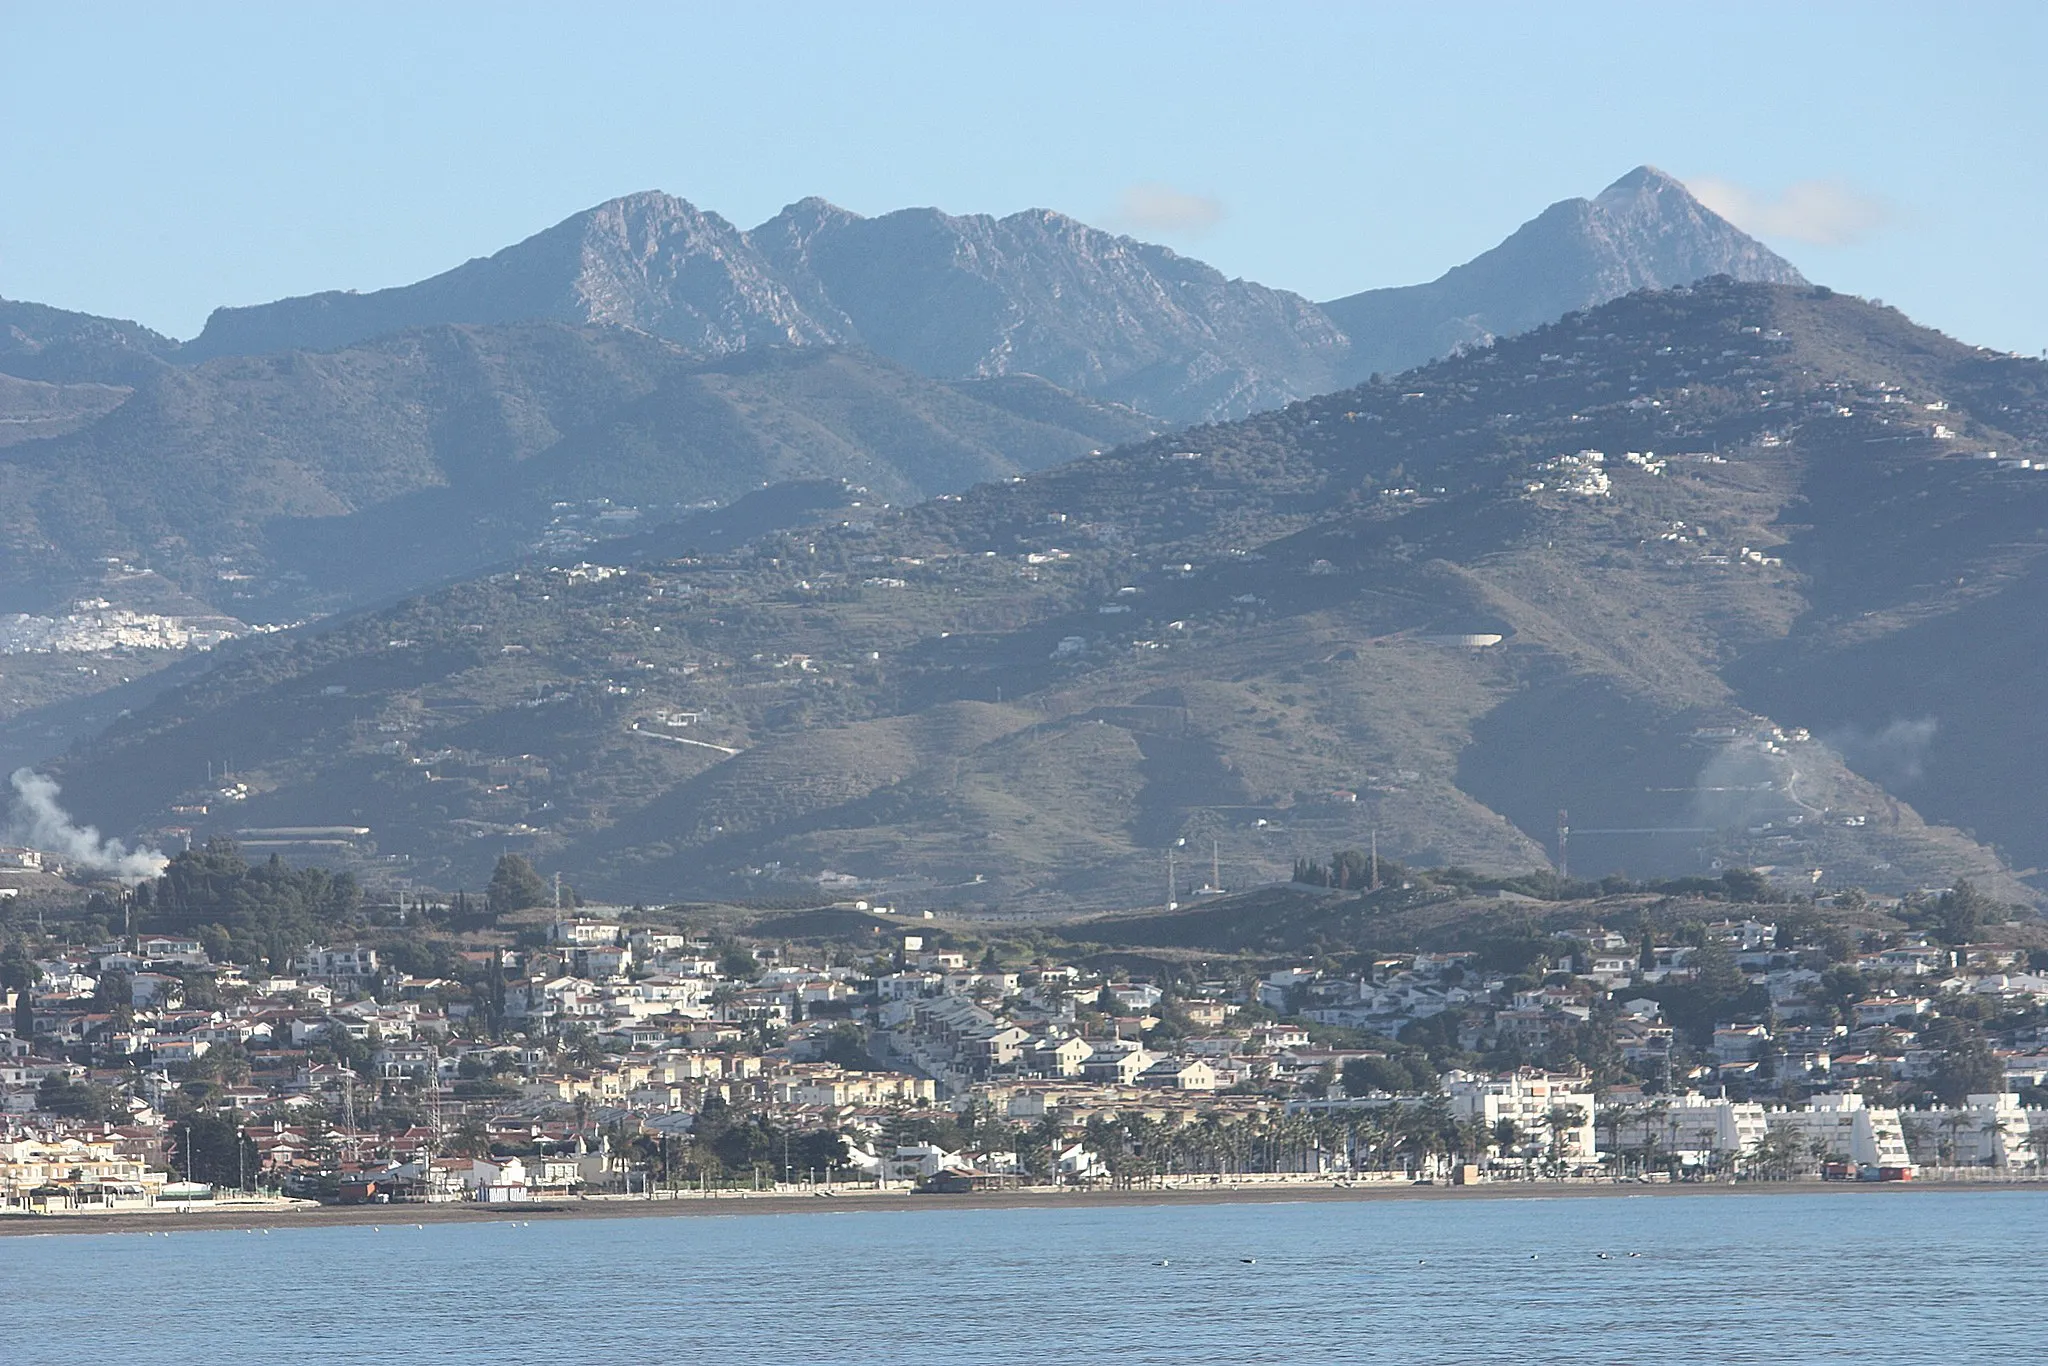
x,y
161,160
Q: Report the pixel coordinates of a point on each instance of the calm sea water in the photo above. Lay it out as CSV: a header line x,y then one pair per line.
x,y
1920,1277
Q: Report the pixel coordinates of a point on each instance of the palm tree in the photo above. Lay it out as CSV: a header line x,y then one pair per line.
x,y
1951,1125
1654,1116
1470,1139
1561,1121
1507,1137
2037,1143
1434,1126
1994,1130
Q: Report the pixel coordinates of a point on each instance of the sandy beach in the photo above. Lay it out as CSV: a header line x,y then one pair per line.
x,y
847,1199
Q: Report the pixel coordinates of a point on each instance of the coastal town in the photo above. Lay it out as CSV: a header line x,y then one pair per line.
x,y
595,1051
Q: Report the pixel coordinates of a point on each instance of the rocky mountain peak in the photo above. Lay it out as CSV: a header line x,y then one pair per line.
x,y
1643,180
1034,292
1645,231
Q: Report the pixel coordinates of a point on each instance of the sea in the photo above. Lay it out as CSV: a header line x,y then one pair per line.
x,y
1921,1276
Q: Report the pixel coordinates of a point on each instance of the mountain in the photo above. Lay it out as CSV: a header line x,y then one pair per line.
x,y
38,342
1035,292
1725,572
1041,293
1645,231
293,484
973,297
649,262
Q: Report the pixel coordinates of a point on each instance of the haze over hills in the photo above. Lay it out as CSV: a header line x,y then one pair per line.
x,y
1726,572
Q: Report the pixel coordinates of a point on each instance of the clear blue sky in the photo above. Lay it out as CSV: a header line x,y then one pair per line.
x,y
158,160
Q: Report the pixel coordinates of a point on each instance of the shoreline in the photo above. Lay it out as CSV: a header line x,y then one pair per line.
x,y
231,1218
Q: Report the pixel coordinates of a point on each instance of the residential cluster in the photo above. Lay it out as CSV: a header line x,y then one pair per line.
x,y
603,1056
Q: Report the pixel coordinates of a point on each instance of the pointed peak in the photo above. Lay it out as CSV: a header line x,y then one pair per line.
x,y
809,212
819,205
1643,182
647,201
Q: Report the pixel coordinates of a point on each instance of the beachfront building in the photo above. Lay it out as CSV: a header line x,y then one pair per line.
x,y
1543,1108
1984,1131
1870,1136
1713,1132
1694,1131
36,1170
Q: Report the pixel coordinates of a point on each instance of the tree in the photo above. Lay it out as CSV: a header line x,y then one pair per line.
x,y
1746,884
1966,1067
1364,1076
18,974
1777,1155
846,1045
515,886
1559,1121
243,912
2037,1144
821,1150
1507,1136
1961,911
213,1149
59,1095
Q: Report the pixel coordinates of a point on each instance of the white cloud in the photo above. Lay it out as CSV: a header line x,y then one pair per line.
x,y
1160,208
1824,213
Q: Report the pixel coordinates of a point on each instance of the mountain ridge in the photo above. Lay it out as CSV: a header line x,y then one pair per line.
x,y
956,296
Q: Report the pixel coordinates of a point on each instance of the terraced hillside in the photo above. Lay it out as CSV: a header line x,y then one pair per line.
x,y
1706,568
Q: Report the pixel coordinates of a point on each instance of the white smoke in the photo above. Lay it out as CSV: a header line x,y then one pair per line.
x,y
1825,213
1894,755
1164,209
37,821
1738,787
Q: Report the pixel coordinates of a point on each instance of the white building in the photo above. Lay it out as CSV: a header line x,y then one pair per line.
x,y
583,934
1695,1130
1527,1098
350,965
1984,1131
1869,1136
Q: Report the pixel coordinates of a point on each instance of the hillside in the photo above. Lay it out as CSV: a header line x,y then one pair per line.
x,y
975,296
290,485
38,342
1724,572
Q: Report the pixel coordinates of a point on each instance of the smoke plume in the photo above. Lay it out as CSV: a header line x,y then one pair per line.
x,y
1894,756
1164,209
37,821
1739,786
1824,213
